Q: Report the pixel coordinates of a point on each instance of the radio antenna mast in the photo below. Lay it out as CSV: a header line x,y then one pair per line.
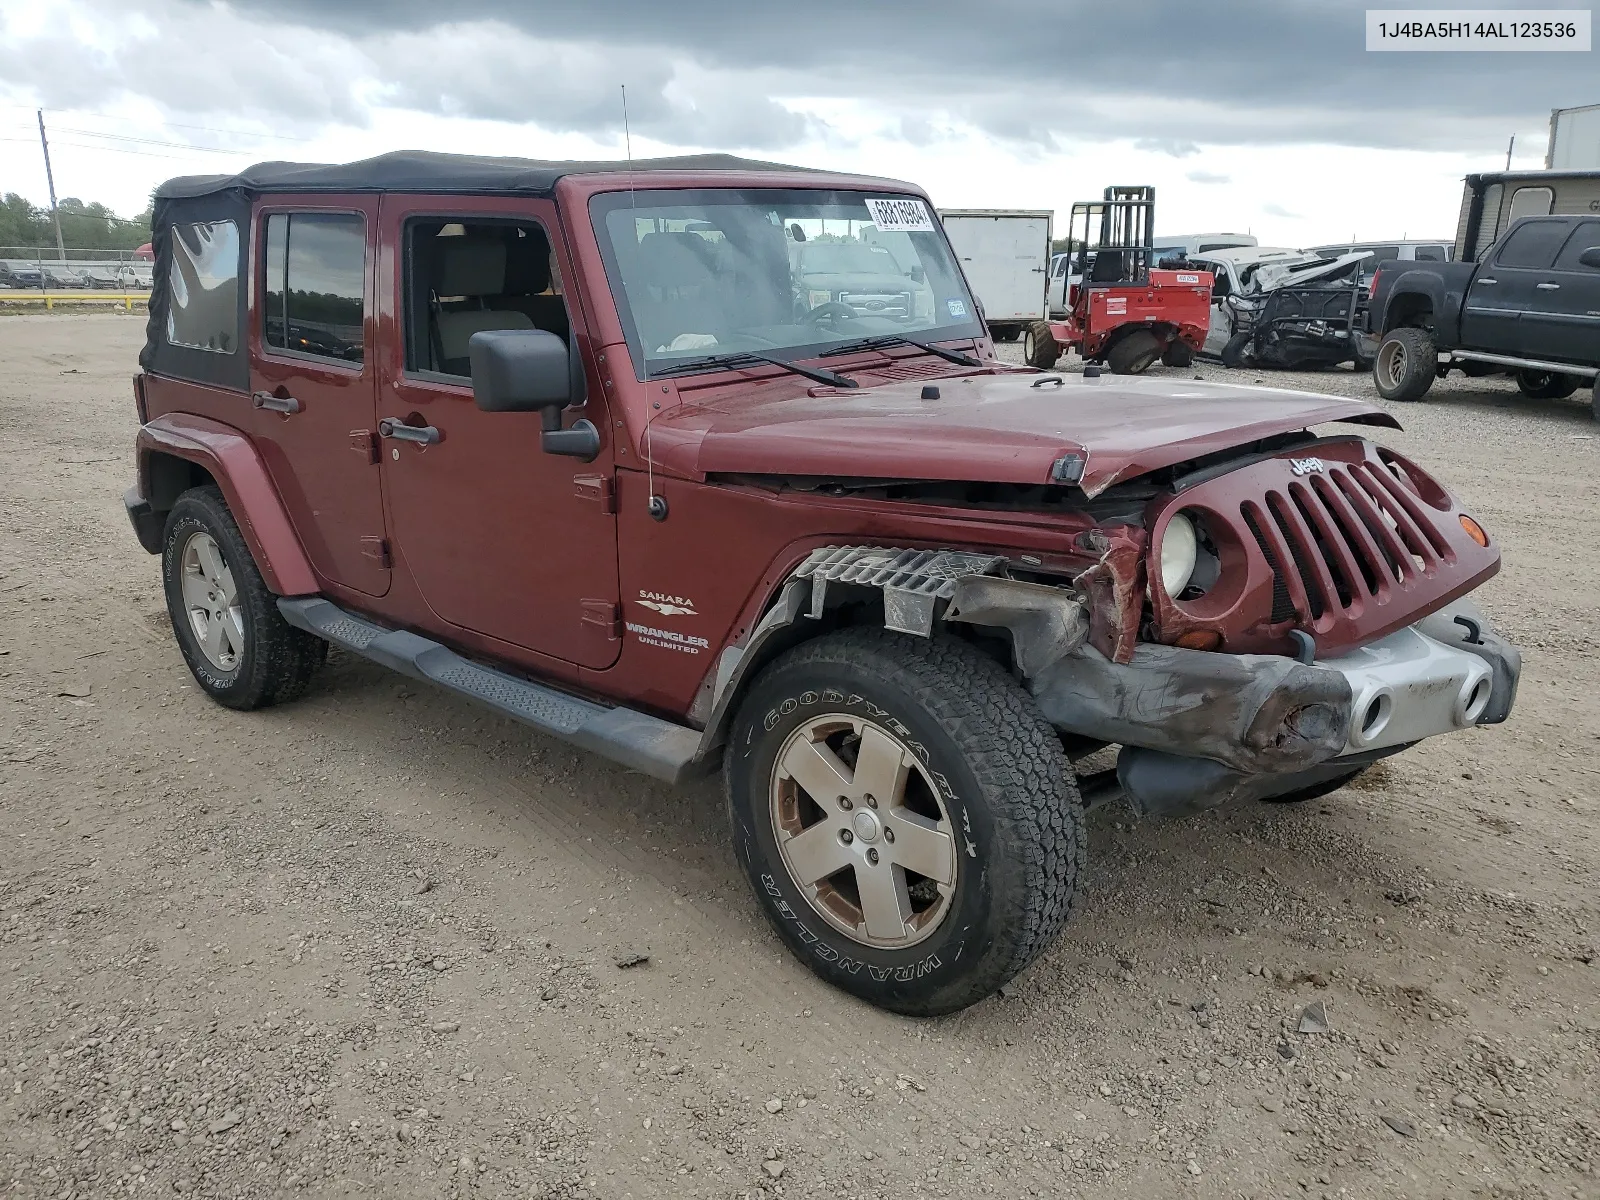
x,y
655,505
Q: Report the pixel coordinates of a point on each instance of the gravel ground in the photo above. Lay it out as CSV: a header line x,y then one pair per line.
x,y
369,944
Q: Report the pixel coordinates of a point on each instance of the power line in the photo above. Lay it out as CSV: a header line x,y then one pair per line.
x,y
122,137
277,137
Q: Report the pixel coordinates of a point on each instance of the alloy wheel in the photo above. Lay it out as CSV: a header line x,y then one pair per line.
x,y
863,831
211,601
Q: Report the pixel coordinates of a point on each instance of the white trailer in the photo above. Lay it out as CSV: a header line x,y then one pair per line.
x,y
1005,255
1574,139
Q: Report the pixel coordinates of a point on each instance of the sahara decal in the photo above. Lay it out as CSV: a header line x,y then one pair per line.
x,y
667,606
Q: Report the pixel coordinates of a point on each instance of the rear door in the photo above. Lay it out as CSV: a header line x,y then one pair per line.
x,y
1563,319
1504,288
314,383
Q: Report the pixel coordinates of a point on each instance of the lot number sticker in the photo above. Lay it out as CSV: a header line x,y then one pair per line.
x,y
901,215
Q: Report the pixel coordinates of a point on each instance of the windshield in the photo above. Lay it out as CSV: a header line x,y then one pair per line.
x,y
785,273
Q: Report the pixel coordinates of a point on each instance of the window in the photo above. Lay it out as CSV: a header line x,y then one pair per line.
x,y
1532,244
465,276
203,287
1585,237
1531,202
315,284
1377,254
1432,254
1209,247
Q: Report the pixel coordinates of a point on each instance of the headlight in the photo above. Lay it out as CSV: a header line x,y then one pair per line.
x,y
1180,550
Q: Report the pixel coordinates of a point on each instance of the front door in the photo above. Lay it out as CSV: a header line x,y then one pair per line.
x,y
1563,319
314,383
501,538
1502,290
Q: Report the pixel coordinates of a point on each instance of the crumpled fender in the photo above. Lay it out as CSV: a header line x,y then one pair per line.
x,y
226,453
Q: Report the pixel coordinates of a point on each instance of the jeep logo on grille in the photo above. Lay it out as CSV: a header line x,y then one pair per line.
x,y
1306,466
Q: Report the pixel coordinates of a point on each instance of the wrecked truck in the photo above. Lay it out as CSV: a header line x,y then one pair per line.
x,y
891,588
1286,309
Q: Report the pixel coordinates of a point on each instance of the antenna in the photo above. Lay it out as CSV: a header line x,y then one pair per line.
x,y
656,505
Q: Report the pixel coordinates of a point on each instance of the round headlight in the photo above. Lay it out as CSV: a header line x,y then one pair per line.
x,y
1180,550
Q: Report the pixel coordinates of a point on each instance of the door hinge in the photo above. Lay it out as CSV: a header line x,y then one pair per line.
x,y
377,549
597,487
364,444
604,614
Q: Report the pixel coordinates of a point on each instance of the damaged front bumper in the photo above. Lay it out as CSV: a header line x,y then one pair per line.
x,y
1198,729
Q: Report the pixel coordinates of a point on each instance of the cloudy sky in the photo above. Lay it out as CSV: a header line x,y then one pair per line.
x,y
1259,115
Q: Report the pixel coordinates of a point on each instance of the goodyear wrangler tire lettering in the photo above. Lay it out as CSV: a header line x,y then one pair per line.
x,y
934,745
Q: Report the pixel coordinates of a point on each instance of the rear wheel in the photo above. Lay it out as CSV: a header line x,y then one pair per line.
x,y
1039,346
1133,352
906,816
238,647
1406,366
1177,353
1546,385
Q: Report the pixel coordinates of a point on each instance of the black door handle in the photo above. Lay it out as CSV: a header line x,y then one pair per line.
x,y
278,404
423,435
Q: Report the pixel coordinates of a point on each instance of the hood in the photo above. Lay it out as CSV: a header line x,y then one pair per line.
x,y
985,428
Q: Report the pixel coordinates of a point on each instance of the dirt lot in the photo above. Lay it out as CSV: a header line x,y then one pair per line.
x,y
367,944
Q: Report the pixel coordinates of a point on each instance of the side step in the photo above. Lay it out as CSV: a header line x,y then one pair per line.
x,y
634,739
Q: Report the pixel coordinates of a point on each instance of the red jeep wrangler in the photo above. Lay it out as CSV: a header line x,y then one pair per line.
x,y
569,439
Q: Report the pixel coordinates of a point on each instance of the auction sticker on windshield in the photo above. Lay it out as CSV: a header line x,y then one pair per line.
x,y
900,215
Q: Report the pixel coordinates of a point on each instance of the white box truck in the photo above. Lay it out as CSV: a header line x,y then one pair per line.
x,y
1005,255
1574,139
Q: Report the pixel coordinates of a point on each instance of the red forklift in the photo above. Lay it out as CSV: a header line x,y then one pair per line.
x,y
1114,305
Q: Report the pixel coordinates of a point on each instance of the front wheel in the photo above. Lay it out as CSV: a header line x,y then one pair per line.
x,y
1178,353
1039,346
906,816
1236,351
1546,385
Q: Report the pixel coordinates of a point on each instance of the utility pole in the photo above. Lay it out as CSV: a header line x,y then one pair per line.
x,y
49,178
1509,149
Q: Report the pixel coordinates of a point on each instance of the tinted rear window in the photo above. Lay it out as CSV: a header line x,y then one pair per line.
x,y
203,287
1532,244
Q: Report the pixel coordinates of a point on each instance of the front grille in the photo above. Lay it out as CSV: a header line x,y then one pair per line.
x,y
879,304
1342,535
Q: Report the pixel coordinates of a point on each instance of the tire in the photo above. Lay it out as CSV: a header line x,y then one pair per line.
x,y
1406,366
1177,354
1133,352
1546,385
255,658
1236,352
1594,399
1005,333
972,750
1316,791
1039,346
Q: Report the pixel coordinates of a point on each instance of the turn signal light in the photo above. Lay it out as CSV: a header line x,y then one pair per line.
x,y
1199,639
1474,531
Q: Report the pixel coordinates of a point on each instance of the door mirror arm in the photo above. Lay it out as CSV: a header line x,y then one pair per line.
x,y
531,370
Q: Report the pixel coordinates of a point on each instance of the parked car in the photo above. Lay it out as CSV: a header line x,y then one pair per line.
x,y
861,276
63,277
1273,306
24,275
1189,245
1437,250
885,581
1530,309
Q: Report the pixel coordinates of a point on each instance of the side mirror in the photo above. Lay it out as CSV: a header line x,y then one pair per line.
x,y
918,275
530,370
1590,257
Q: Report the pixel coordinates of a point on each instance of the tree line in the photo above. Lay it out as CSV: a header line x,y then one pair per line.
x,y
90,226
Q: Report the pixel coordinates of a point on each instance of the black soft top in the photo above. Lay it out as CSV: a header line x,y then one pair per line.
x,y
426,171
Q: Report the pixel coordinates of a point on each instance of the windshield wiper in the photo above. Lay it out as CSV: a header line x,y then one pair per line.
x,y
898,339
711,362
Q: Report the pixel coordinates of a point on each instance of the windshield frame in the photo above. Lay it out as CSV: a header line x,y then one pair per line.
x,y
602,204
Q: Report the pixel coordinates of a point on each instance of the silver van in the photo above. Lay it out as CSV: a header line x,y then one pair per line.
x,y
1437,250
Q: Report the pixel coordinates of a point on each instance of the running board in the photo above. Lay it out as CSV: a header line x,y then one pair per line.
x,y
634,739
1527,364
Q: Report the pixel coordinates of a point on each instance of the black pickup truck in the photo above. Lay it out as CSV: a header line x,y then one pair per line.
x,y
1529,307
